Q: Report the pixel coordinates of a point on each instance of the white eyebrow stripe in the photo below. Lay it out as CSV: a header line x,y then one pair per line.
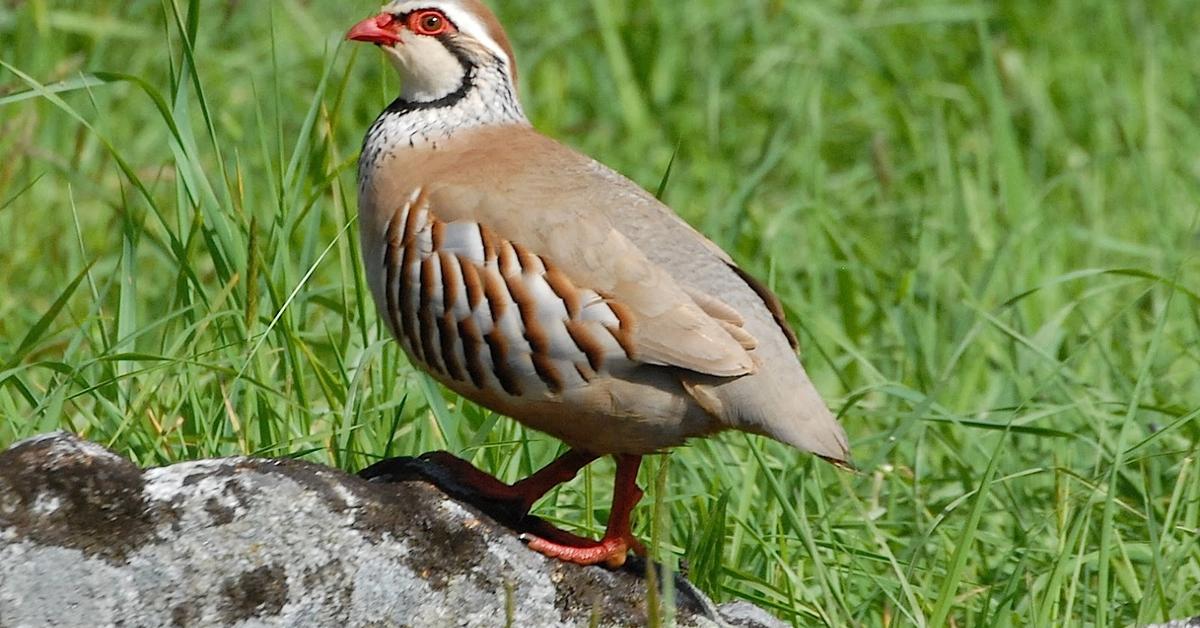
x,y
465,21
469,24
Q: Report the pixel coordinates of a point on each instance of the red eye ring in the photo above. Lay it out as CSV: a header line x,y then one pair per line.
x,y
429,22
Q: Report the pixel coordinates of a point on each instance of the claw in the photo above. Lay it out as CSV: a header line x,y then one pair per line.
x,y
610,552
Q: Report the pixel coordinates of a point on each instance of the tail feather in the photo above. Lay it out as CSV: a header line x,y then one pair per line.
x,y
812,428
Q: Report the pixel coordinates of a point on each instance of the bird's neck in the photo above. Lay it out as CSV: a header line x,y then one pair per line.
x,y
486,97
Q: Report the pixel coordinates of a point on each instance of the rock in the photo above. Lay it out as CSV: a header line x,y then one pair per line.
x,y
88,538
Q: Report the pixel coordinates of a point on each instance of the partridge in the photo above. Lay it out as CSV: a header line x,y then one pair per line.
x,y
539,283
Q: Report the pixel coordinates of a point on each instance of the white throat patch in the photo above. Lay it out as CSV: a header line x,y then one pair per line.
x,y
448,85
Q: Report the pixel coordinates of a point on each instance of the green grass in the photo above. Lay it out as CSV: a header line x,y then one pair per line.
x,y
984,220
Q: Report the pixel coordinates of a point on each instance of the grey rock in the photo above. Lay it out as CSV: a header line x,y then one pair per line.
x,y
87,538
1179,623
746,615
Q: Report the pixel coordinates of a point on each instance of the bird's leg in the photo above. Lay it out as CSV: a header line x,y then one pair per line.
x,y
618,540
461,480
562,470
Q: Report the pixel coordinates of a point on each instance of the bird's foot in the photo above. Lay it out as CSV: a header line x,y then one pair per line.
x,y
610,551
510,504
457,478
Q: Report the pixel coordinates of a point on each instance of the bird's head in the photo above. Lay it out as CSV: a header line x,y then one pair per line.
x,y
440,47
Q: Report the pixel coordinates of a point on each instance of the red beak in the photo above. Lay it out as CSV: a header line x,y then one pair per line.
x,y
375,30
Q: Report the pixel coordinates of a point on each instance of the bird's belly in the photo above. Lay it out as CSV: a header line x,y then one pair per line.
x,y
646,412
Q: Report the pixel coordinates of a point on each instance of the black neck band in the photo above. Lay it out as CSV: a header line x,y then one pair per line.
x,y
401,106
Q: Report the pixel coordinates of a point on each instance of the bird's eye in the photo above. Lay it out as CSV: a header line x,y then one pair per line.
x,y
428,23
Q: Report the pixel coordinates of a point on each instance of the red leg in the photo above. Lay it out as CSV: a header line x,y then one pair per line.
x,y
560,471
520,496
618,539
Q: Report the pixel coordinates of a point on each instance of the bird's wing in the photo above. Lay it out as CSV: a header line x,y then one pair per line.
x,y
554,299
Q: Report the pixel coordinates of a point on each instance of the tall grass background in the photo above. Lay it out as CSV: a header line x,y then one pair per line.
x,y
983,218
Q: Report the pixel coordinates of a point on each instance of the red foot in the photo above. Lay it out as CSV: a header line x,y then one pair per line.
x,y
610,552
510,503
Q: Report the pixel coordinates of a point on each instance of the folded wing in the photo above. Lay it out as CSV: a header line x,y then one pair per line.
x,y
481,299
